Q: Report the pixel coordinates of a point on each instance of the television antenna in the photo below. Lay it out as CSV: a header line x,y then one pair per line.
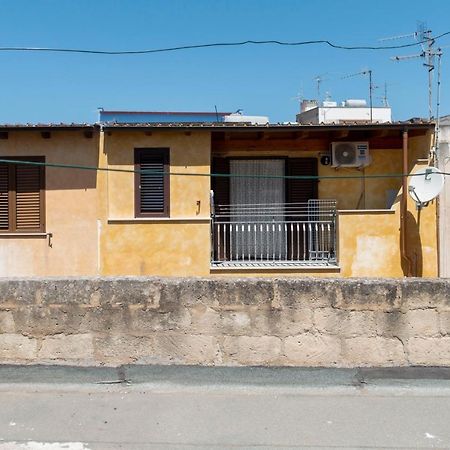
x,y
319,79
300,95
428,54
384,98
371,86
425,188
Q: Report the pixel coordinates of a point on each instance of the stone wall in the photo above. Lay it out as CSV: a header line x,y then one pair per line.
x,y
289,322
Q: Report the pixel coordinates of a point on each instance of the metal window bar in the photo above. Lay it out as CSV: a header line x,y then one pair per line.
x,y
275,234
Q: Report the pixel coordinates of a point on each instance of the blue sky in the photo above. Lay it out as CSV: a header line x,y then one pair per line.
x,y
263,80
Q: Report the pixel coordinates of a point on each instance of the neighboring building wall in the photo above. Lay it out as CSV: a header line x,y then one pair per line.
x,y
278,322
70,208
336,114
444,200
178,245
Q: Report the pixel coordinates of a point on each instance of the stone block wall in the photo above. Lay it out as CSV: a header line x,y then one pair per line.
x,y
286,322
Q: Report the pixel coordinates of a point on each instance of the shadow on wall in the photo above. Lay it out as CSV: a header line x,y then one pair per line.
x,y
61,178
413,245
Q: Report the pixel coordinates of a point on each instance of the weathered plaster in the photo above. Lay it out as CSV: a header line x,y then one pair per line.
x,y
71,208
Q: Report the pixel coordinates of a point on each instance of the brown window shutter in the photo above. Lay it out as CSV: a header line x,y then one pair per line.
x,y
4,197
221,185
28,184
152,190
302,190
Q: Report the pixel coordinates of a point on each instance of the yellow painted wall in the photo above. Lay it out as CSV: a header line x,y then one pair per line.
x,y
350,193
178,245
422,232
369,193
369,238
369,244
71,208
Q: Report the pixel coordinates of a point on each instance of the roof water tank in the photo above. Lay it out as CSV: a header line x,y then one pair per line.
x,y
355,103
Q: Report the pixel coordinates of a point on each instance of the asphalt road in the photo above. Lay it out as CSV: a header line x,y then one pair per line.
x,y
52,408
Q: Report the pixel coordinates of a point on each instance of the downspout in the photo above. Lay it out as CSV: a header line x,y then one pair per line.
x,y
404,206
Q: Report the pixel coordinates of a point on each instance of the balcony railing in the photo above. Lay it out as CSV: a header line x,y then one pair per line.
x,y
287,234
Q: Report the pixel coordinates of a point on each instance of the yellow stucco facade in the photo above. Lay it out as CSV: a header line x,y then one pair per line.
x,y
176,245
94,230
69,244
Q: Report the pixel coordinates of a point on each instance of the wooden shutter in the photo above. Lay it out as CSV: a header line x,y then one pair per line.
x,y
152,193
28,207
4,197
221,185
302,190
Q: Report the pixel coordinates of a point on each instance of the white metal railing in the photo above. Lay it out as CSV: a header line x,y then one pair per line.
x,y
275,234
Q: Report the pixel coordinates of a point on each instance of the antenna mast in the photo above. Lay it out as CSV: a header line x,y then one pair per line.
x,y
438,103
385,96
371,88
424,36
319,79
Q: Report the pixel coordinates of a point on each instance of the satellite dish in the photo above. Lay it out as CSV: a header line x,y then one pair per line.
x,y
425,185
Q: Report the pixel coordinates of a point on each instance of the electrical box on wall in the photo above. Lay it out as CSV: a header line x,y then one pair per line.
x,y
350,154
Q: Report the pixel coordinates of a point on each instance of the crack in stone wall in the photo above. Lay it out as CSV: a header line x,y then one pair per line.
x,y
284,322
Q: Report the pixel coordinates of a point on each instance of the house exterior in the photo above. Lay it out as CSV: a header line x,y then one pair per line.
x,y
276,203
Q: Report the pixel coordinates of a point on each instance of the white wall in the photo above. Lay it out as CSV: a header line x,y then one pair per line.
x,y
444,201
346,114
327,115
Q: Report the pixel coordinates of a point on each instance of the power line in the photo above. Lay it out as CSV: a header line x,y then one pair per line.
x,y
211,175
214,44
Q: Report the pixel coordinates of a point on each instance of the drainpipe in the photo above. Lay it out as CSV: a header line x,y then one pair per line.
x,y
404,206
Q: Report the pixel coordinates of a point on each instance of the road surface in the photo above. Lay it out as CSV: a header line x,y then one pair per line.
x,y
184,408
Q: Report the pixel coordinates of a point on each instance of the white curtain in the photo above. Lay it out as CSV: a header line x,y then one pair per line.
x,y
268,239
245,190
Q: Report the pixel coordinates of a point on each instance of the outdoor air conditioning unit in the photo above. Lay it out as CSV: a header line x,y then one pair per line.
x,y
350,154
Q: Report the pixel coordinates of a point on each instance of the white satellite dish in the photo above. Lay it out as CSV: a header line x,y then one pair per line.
x,y
425,185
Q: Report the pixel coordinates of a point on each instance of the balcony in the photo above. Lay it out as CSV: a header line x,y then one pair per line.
x,y
275,235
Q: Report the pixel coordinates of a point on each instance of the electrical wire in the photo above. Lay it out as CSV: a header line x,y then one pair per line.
x,y
211,175
216,44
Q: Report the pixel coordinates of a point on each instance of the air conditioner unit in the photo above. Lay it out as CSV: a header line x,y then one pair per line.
x,y
350,154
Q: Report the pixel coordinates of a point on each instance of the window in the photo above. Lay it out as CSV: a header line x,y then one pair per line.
x,y
22,196
152,184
